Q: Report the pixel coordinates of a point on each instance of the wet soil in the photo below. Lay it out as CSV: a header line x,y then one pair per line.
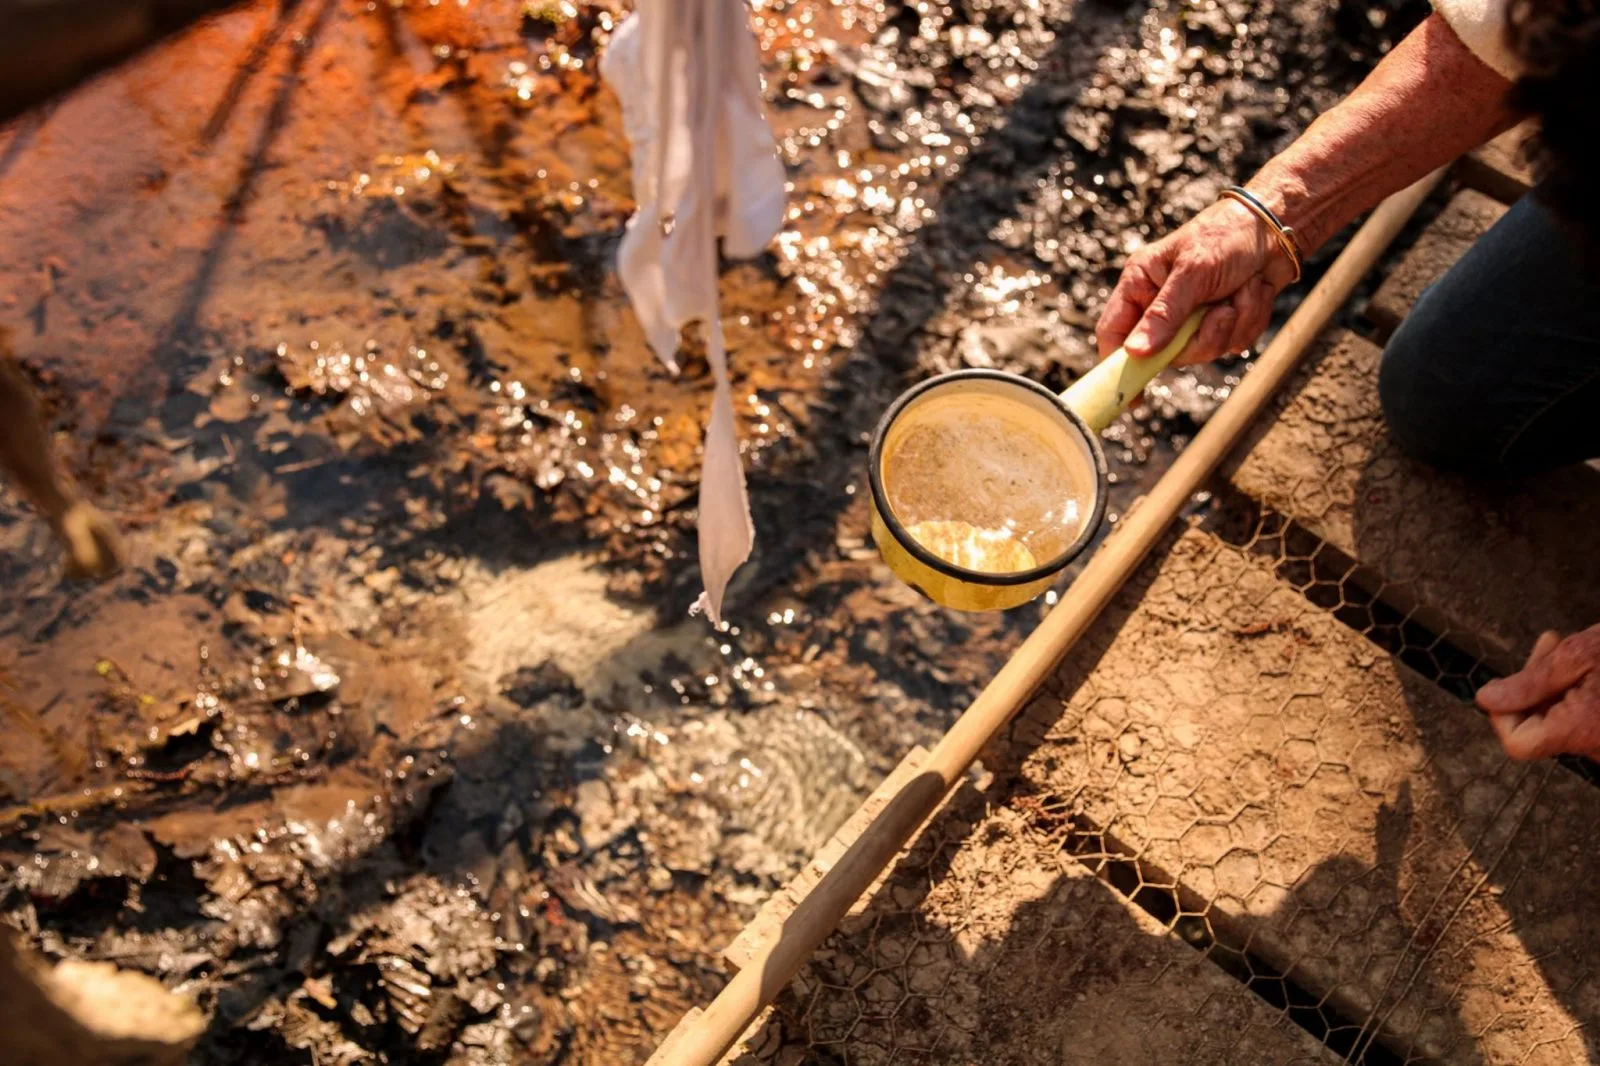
x,y
395,738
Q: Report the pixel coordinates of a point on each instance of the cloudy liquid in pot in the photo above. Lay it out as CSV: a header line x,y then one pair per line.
x,y
986,479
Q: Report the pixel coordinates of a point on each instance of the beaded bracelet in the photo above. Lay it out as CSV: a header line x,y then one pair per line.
x,y
1285,236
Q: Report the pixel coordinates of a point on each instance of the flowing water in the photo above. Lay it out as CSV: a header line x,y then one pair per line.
x,y
395,738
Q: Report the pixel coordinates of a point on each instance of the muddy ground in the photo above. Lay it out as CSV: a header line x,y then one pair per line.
x,y
395,739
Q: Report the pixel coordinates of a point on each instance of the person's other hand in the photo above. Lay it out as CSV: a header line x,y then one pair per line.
x,y
1552,705
1224,255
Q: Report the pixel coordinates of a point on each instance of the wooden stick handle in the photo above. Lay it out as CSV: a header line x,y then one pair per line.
x,y
760,981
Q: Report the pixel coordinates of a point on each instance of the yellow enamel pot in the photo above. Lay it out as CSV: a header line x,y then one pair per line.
x,y
1070,424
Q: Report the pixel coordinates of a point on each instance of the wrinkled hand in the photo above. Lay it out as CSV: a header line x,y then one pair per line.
x,y
1552,705
1224,255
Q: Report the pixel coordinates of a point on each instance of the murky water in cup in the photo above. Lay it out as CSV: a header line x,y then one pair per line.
x,y
987,480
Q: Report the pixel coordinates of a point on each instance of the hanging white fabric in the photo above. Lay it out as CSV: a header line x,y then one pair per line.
x,y
705,166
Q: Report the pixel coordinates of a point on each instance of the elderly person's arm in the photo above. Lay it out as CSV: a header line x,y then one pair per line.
x,y
1427,102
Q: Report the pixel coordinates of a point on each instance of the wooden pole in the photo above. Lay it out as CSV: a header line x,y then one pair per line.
x,y
714,1031
89,1012
49,47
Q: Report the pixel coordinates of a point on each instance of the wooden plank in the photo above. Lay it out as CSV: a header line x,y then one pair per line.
x,y
776,910
1489,565
989,944
90,1012
1497,168
1466,218
1334,813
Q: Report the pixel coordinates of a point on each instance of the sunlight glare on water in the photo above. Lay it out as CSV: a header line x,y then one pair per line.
x,y
989,551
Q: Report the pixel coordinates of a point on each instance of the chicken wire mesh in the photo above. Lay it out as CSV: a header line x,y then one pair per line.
x,y
1251,819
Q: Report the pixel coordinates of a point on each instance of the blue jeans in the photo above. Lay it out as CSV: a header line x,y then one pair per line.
x,y
1496,372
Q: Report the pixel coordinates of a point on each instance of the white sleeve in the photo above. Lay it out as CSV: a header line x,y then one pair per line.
x,y
1481,25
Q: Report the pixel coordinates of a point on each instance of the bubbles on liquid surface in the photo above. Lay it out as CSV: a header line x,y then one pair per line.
x,y
985,481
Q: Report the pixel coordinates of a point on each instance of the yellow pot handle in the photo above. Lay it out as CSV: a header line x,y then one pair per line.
x,y
1106,391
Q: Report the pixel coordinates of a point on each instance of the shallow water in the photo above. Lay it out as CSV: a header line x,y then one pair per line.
x,y
395,737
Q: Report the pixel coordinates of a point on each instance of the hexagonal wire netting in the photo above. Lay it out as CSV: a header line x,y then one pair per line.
x,y
1250,820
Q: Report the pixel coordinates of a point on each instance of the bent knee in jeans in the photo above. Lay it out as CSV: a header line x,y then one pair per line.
x,y
1435,411
1429,412
1496,370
